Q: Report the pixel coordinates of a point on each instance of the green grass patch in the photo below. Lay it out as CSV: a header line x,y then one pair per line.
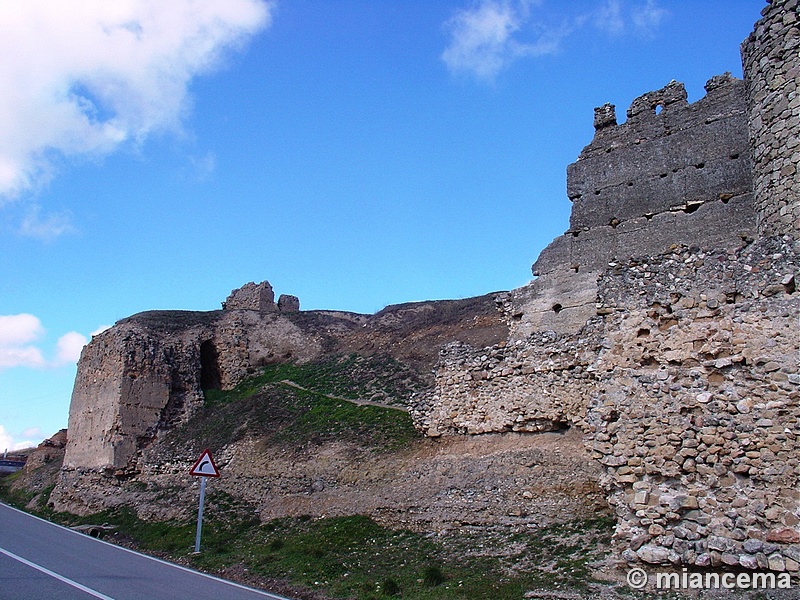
x,y
375,378
354,557
267,408
327,419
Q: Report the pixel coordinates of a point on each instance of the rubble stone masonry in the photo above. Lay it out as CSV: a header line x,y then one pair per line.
x,y
665,324
687,388
771,56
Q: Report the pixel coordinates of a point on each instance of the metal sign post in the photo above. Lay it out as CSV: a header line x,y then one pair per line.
x,y
203,468
200,515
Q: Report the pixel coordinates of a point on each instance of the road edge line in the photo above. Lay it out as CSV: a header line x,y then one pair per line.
x,y
153,558
55,575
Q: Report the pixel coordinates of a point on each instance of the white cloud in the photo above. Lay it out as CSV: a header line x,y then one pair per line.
x,y
19,329
609,17
33,433
16,334
68,347
617,17
48,227
19,335
79,78
7,441
483,42
648,17
490,35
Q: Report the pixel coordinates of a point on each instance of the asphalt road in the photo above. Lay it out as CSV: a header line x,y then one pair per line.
x,y
41,560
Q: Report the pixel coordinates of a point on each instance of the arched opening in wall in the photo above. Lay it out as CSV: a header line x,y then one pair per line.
x,y
210,378
557,308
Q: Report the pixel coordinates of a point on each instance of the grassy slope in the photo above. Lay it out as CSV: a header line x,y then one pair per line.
x,y
346,557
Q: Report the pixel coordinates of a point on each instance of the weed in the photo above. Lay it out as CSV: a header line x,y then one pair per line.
x,y
391,587
276,545
433,576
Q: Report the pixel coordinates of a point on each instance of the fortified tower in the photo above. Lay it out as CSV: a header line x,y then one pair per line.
x,y
771,60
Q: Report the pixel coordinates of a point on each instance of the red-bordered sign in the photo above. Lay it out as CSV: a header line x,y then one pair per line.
x,y
205,467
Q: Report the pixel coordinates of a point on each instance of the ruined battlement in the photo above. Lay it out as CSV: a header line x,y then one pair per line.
x,y
260,297
668,156
663,324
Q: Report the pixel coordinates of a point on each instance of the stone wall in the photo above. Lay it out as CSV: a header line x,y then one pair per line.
x,y
695,412
148,372
665,323
251,296
686,386
675,159
771,56
674,176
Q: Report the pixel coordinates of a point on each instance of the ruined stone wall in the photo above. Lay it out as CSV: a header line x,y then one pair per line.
x,y
771,57
130,385
537,385
251,296
668,155
148,372
686,386
679,175
661,329
695,412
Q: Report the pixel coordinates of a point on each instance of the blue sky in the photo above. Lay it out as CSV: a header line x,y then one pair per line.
x,y
356,154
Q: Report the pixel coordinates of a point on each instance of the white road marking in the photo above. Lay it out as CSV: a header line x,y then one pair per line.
x,y
148,557
61,578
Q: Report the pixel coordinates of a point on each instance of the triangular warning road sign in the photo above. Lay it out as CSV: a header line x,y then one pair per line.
x,y
205,467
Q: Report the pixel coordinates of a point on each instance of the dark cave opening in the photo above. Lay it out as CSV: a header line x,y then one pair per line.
x,y
210,378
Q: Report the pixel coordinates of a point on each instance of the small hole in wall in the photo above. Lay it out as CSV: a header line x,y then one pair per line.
x,y
663,175
734,156
597,192
643,332
557,308
700,165
576,268
659,108
630,184
692,207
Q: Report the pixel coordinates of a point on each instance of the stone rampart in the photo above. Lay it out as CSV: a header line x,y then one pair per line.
x,y
665,323
771,57
676,176
695,414
148,372
675,159
686,386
